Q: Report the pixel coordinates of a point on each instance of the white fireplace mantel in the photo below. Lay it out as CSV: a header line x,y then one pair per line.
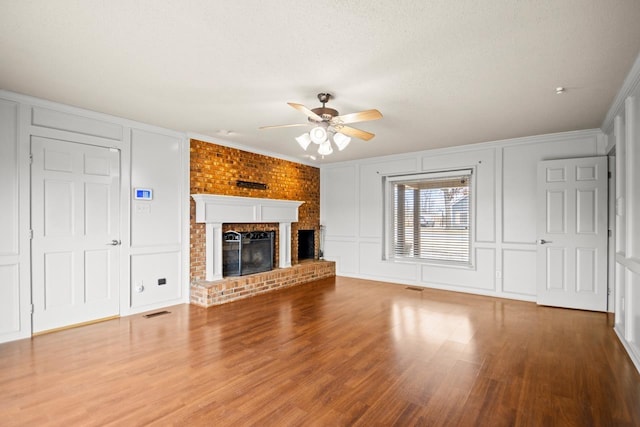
x,y
214,210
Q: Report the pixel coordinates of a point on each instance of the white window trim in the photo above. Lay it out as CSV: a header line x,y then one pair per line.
x,y
387,217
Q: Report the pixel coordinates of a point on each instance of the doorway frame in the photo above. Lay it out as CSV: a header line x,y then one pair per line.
x,y
124,147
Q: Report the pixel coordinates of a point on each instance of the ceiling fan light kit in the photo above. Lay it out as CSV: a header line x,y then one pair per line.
x,y
341,140
318,135
304,140
327,121
325,148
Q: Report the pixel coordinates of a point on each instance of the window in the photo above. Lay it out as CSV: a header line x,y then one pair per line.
x,y
428,217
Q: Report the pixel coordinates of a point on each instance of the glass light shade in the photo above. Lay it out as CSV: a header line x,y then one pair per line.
x,y
318,134
304,140
325,148
341,140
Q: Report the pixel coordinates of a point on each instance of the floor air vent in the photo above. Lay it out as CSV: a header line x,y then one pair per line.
x,y
411,288
157,313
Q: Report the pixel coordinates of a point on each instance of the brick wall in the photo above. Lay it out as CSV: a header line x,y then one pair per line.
x,y
215,170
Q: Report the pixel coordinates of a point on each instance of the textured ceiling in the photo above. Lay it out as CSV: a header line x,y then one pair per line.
x,y
442,73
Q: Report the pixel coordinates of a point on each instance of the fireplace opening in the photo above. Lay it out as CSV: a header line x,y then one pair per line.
x,y
247,253
306,244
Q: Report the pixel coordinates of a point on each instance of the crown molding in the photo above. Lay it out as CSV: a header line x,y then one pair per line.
x,y
503,143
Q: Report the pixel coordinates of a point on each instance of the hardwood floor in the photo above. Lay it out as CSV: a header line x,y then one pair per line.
x,y
335,352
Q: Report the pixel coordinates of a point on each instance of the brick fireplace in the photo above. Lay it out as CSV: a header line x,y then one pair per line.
x,y
219,170
214,210
216,169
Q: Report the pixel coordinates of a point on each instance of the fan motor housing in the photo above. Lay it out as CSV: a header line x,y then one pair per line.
x,y
325,113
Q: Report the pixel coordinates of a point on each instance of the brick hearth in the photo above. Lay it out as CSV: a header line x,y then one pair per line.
x,y
207,294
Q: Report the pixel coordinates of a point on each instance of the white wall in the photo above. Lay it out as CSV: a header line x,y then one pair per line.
x,y
622,127
503,206
154,238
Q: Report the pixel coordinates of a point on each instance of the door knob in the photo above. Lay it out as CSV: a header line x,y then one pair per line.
x,y
114,242
544,242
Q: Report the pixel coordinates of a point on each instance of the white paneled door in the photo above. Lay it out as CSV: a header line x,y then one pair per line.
x,y
75,222
572,233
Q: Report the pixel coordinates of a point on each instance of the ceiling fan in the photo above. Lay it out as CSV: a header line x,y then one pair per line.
x,y
326,121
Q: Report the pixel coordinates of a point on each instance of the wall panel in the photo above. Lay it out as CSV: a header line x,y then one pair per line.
x,y
632,176
9,219
345,254
342,186
480,278
9,300
372,265
633,310
146,272
13,254
156,164
519,271
52,119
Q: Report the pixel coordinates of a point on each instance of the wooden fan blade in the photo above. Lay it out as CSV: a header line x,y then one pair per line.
x,y
305,111
284,126
362,116
356,133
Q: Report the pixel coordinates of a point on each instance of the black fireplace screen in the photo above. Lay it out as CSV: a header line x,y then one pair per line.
x,y
247,253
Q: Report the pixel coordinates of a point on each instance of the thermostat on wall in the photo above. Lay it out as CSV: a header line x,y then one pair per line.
x,y
143,194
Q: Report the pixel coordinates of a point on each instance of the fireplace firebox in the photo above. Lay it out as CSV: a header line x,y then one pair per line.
x,y
306,244
247,253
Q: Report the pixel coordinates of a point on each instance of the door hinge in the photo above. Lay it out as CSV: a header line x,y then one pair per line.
x,y
31,308
608,291
609,174
30,158
30,234
610,233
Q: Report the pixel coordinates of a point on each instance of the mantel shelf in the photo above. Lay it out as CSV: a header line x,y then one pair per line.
x,y
213,208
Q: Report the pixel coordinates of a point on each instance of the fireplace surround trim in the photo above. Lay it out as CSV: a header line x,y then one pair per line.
x,y
214,210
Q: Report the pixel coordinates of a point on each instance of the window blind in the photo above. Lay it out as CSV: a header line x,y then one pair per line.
x,y
431,216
